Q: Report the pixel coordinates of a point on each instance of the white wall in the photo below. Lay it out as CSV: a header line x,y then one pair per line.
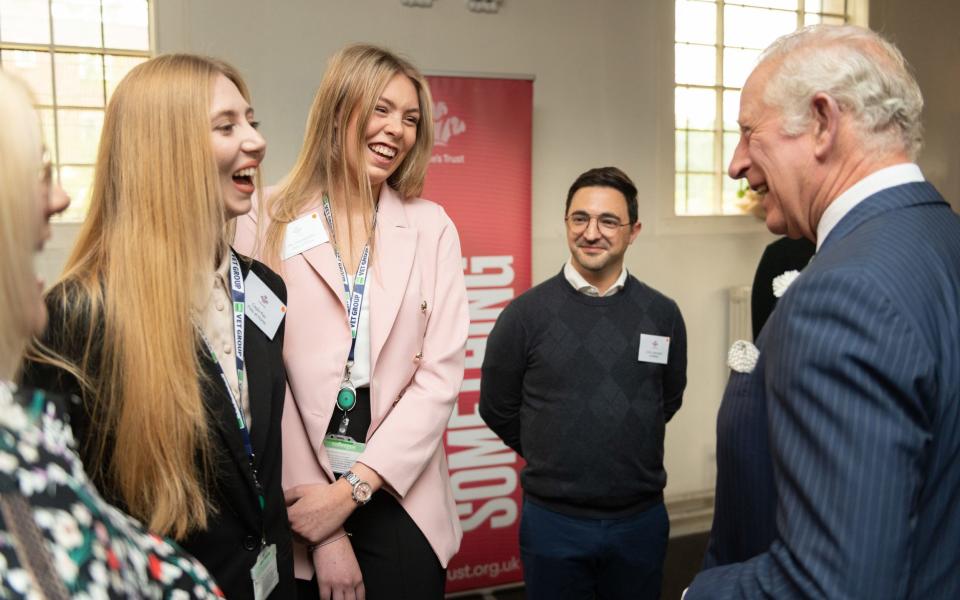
x,y
603,95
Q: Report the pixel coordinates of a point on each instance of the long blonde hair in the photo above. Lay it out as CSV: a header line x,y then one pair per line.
x,y
144,255
20,153
354,80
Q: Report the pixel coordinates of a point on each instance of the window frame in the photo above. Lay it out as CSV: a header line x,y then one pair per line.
x,y
670,220
52,49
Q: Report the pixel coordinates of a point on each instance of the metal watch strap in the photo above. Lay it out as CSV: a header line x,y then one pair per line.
x,y
354,480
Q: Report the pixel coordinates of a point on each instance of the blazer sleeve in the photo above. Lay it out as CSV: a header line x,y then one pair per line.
x,y
411,434
848,432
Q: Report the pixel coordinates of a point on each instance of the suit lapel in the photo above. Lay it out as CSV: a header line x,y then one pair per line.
x,y
256,351
323,260
393,269
221,410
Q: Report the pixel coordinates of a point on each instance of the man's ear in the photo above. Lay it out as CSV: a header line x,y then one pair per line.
x,y
635,231
826,121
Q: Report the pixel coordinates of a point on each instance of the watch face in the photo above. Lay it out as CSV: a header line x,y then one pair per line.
x,y
362,492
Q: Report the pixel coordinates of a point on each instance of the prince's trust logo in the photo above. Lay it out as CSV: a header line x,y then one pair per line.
x,y
445,129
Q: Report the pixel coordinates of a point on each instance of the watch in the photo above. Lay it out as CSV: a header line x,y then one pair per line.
x,y
362,491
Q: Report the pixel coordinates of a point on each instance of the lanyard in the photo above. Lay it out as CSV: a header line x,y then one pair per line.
x,y
238,296
353,298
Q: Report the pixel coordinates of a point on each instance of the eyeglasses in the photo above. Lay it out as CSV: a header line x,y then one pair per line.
x,y
608,225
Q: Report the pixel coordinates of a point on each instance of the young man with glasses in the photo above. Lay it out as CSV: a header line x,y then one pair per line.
x,y
580,375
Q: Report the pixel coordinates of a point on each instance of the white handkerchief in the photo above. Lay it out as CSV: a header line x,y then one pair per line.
x,y
654,348
262,306
782,282
743,356
303,234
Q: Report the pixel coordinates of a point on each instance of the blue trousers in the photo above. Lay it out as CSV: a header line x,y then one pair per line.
x,y
573,558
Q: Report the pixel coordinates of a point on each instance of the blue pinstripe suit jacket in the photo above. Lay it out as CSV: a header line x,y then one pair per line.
x,y
858,394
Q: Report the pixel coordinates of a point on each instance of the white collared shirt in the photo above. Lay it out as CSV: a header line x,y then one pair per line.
x,y
584,287
871,184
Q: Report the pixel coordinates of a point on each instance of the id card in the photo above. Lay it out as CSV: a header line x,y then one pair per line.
x,y
264,573
654,349
343,451
262,305
303,234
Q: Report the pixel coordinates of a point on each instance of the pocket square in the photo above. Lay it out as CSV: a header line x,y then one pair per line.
x,y
782,282
743,356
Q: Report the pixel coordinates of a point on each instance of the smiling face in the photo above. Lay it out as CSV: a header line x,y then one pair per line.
x,y
390,133
238,147
777,166
598,252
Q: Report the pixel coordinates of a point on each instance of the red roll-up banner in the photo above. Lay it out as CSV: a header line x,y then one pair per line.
x,y
480,173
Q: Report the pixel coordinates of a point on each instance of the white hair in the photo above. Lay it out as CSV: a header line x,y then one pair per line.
x,y
866,75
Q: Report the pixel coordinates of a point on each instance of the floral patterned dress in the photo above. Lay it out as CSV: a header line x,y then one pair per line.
x,y
58,537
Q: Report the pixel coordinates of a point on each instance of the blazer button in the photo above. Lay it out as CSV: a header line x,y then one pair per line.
x,y
250,543
418,357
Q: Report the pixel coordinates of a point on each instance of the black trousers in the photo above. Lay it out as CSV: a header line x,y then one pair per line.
x,y
395,558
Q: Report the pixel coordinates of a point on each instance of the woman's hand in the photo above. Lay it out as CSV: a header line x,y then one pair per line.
x,y
317,510
338,574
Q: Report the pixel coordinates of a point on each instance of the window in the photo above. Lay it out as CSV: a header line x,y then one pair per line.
x,y
72,53
717,43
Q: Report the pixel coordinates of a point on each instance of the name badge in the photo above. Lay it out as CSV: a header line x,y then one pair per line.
x,y
654,349
343,451
262,306
303,234
264,572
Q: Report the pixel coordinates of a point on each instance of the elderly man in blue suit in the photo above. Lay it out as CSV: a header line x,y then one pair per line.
x,y
839,442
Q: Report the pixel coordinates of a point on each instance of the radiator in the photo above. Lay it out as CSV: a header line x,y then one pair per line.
x,y
739,326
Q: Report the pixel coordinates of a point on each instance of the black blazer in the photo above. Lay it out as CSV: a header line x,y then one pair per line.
x,y
230,544
779,257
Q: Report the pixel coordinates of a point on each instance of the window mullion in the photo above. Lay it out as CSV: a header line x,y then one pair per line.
x,y
53,91
718,122
103,58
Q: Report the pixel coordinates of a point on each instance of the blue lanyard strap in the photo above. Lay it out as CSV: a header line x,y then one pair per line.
x,y
238,295
353,298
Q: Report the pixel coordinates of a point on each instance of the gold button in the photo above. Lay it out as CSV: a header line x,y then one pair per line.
x,y
423,306
418,356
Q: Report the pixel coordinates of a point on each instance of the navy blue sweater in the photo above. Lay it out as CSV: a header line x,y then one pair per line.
x,y
562,385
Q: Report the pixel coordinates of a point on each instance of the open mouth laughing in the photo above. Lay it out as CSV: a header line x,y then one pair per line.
x,y
243,179
383,151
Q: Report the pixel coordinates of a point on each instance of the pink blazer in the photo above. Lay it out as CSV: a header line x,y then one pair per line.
x,y
418,331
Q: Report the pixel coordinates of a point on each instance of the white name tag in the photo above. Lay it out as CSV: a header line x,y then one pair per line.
x,y
264,573
262,305
343,451
654,349
303,234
